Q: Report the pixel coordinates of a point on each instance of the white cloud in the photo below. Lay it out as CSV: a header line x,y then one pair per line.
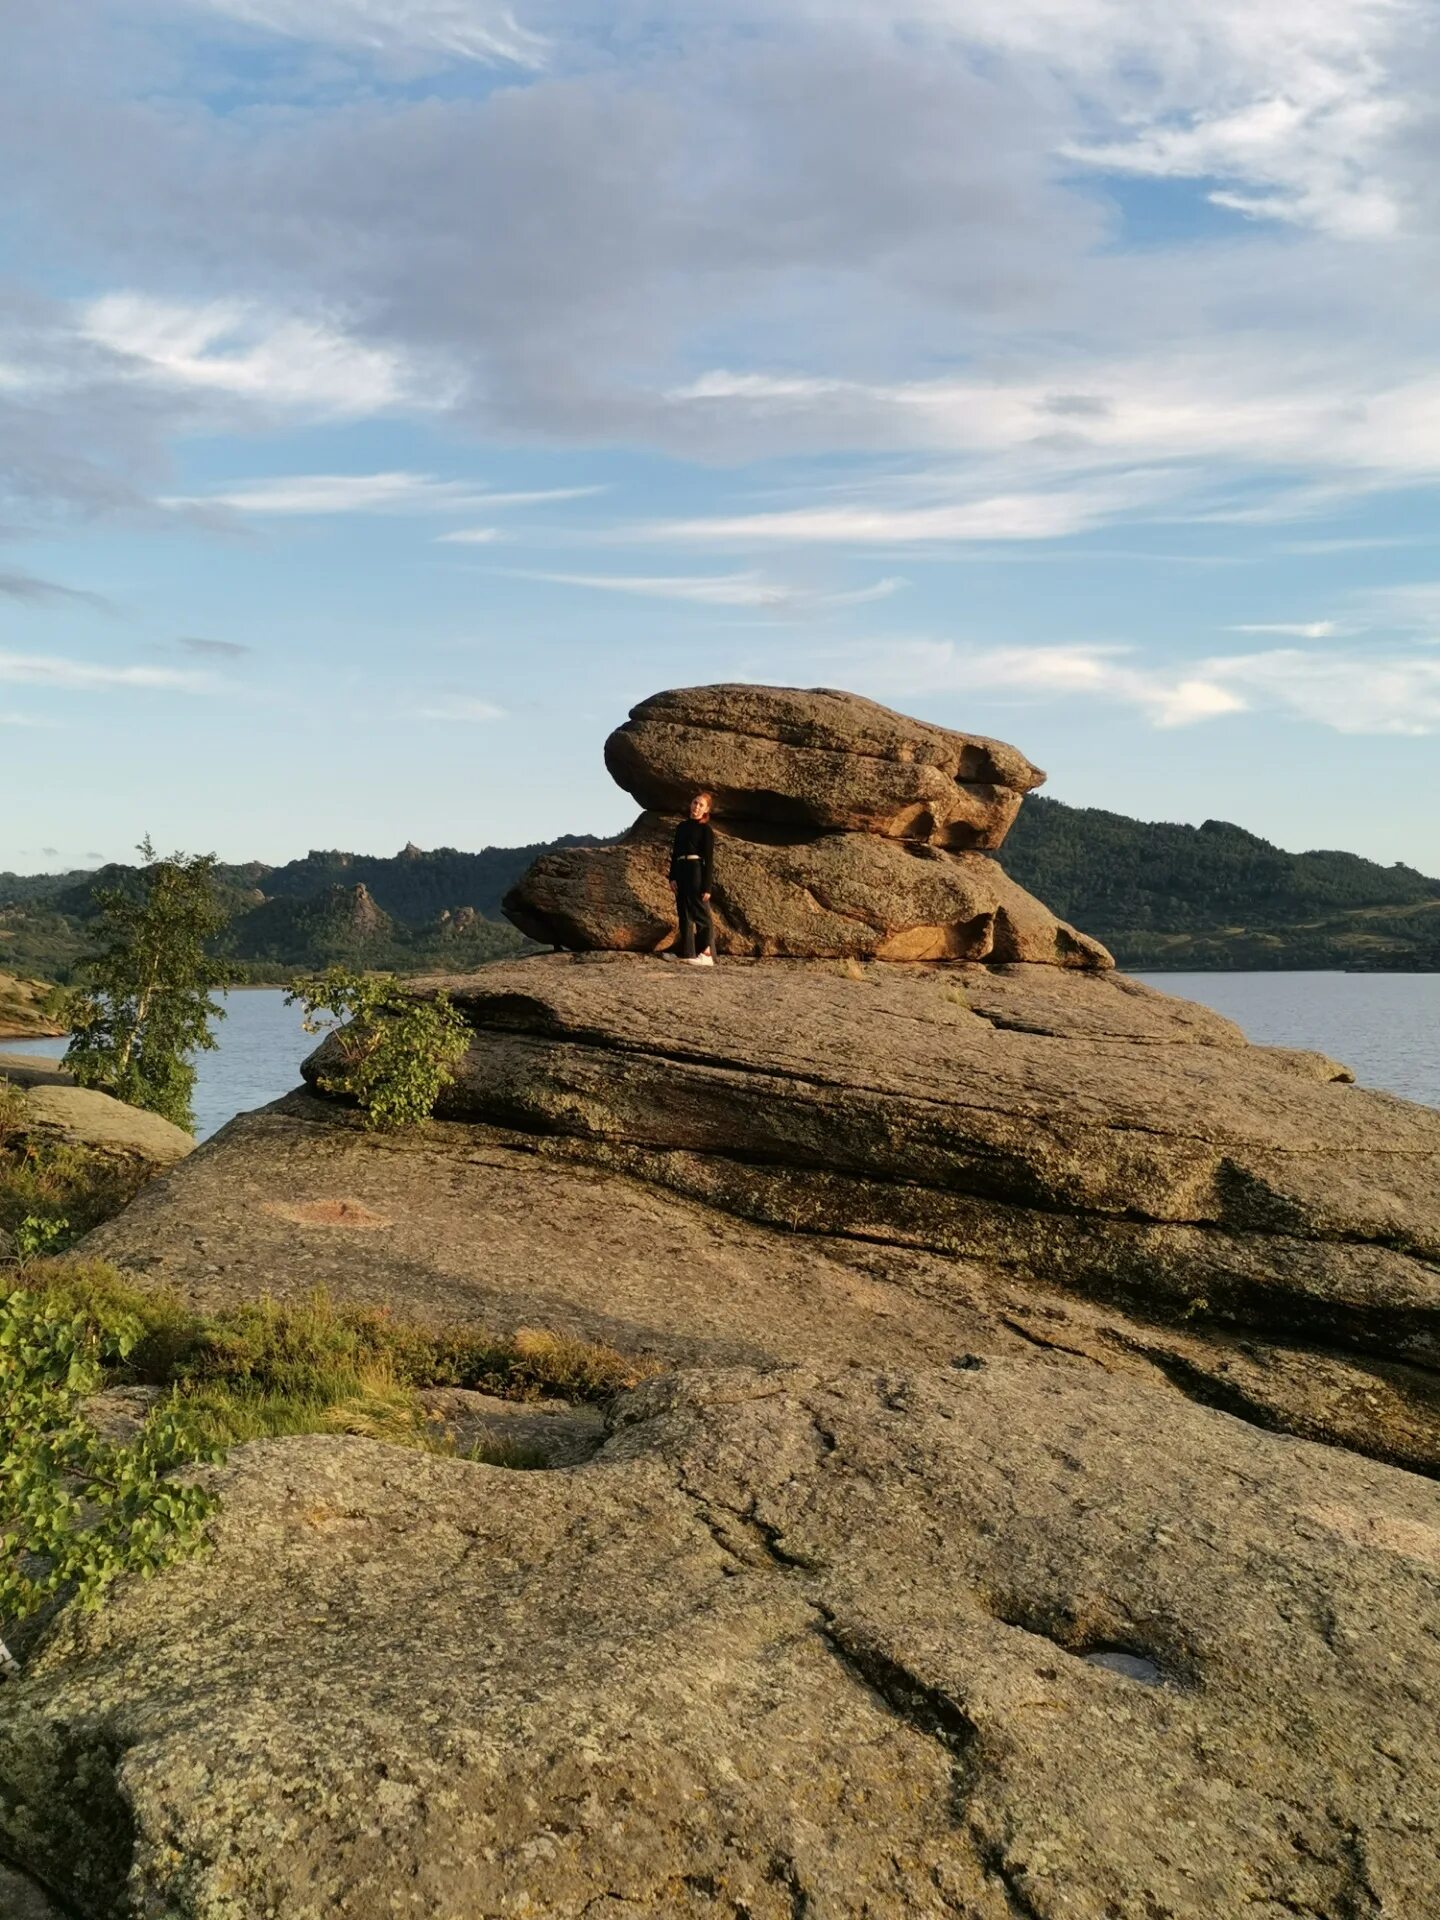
x,y
1295,102
472,537
1019,516
459,29
47,670
249,353
1258,402
461,707
307,493
1354,693
396,492
721,589
1295,629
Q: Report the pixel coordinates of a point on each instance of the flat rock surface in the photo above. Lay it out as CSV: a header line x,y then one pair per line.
x,y
990,1641
837,895
470,1224
821,760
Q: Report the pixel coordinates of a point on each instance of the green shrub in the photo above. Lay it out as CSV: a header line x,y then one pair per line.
x,y
76,1510
50,1181
392,1053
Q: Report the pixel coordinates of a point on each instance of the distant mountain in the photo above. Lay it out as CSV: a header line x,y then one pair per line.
x,y
418,887
1215,896
1157,894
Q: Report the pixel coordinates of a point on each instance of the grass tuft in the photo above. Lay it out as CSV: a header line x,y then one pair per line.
x,y
268,1368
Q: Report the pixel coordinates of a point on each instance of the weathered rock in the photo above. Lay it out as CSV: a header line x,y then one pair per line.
x,y
995,1640
836,896
23,1008
781,1162
821,761
56,1109
1252,1179
21,1899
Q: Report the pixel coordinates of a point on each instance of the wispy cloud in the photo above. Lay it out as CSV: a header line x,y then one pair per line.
x,y
1293,629
81,676
463,707
28,588
720,589
219,649
458,29
1353,693
251,353
1016,516
398,491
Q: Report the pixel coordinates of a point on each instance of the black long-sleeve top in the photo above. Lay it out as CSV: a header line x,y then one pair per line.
x,y
694,842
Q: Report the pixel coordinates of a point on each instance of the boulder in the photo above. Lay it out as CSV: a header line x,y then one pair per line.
x,y
820,761
834,895
991,1640
56,1109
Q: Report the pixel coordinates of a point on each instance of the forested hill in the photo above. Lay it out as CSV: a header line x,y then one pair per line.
x,y
1158,895
1161,894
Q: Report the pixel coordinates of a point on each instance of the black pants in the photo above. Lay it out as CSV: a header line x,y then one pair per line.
x,y
697,928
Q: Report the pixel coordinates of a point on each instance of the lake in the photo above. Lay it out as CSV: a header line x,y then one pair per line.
x,y
1384,1025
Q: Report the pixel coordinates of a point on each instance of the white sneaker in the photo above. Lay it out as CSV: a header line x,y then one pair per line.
x,y
703,960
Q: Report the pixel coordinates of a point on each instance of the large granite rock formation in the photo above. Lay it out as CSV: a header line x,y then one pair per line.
x,y
844,895
820,761
994,1640
1000,1574
781,1162
843,831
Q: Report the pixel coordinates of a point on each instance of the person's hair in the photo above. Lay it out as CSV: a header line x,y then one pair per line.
x,y
705,795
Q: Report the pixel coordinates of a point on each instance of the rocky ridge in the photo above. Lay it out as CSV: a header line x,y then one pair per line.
x,y
1038,1520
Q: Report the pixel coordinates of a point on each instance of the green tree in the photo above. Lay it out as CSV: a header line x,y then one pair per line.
x,y
390,1052
145,1008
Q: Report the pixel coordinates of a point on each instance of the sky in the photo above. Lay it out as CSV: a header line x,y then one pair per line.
x,y
393,392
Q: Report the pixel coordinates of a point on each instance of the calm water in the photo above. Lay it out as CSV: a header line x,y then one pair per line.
x,y
261,1046
1384,1025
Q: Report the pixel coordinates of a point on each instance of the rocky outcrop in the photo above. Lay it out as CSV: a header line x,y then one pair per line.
x,y
981,1560
990,1640
843,831
56,1109
782,1162
838,895
820,761
23,1011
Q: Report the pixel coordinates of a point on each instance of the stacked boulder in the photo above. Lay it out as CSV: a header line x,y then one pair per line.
x,y
843,830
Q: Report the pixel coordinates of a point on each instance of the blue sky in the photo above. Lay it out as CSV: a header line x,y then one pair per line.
x,y
392,392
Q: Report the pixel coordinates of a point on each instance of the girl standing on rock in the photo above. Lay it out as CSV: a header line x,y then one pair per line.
x,y
692,859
